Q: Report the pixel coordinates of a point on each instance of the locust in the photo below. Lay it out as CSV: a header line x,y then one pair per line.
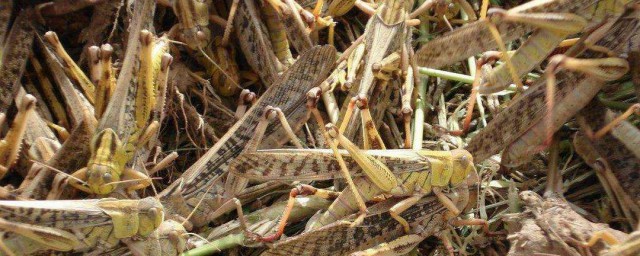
x,y
427,217
541,111
380,57
75,225
110,153
214,53
385,52
550,22
424,172
126,124
197,182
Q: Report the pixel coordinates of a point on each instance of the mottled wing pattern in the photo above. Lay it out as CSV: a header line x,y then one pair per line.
x,y
63,214
288,93
289,166
340,238
15,56
516,121
315,164
475,37
254,41
5,15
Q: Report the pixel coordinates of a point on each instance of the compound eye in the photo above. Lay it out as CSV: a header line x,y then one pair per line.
x,y
107,177
201,36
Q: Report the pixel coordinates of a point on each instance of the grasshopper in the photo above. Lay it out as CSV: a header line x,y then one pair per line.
x,y
426,172
109,153
385,51
184,194
575,89
428,217
125,125
391,20
193,17
217,57
550,21
76,225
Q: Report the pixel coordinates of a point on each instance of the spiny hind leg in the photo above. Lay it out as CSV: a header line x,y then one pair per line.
x,y
301,190
10,145
445,201
313,97
371,138
268,115
245,100
409,72
402,206
229,24
235,184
